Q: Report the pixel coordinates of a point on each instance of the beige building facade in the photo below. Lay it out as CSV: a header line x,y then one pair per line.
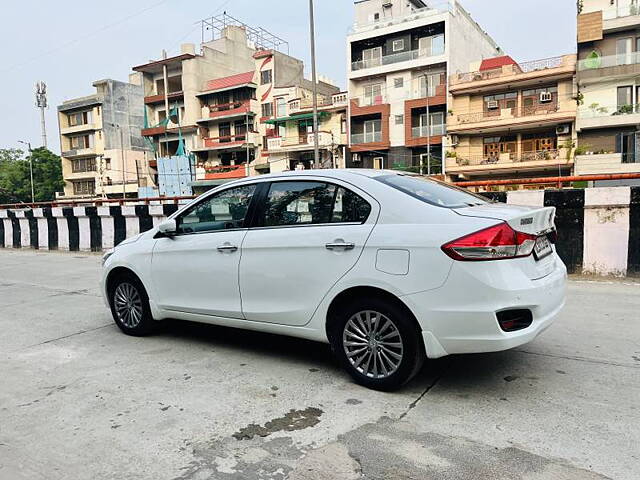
x,y
512,120
103,154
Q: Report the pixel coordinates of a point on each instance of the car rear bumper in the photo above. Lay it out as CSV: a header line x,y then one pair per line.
x,y
460,317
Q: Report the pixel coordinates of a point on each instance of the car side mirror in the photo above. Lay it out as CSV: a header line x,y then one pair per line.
x,y
168,228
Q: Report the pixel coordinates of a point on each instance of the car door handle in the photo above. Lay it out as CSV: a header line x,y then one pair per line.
x,y
340,245
227,248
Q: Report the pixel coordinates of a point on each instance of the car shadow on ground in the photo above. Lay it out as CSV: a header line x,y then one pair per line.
x,y
282,347
456,374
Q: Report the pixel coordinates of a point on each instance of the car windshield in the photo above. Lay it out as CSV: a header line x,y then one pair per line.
x,y
432,191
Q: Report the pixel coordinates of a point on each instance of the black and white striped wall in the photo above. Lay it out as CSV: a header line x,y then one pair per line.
x,y
599,228
77,228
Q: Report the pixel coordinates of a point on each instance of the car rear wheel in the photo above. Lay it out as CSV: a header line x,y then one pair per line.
x,y
130,306
378,344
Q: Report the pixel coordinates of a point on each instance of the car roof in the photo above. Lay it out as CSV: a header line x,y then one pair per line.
x,y
343,173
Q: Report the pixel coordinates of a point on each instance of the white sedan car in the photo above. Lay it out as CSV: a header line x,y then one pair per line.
x,y
389,268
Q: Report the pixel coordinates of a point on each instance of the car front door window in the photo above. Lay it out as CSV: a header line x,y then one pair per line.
x,y
223,211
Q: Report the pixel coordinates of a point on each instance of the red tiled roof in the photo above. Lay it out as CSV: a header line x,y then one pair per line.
x,y
227,82
496,62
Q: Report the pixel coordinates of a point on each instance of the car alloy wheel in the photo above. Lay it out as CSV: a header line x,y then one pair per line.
x,y
373,344
128,305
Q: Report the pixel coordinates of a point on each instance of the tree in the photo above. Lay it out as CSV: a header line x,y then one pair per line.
x,y
15,181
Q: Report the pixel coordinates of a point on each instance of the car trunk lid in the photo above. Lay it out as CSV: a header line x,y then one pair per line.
x,y
538,221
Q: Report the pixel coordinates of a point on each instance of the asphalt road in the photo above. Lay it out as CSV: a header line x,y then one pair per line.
x,y
79,400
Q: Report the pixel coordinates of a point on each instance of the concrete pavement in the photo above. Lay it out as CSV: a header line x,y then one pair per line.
x,y
80,400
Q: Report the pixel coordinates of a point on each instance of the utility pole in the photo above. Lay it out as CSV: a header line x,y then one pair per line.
x,y
28,144
41,103
316,151
246,139
124,171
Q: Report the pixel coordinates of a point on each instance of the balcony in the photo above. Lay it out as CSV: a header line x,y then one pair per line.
x,y
620,18
85,127
437,8
430,131
159,98
512,119
548,70
537,160
222,172
228,110
234,142
397,58
300,142
597,69
363,138
597,116
301,104
79,152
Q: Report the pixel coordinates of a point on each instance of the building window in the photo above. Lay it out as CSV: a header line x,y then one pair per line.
x,y
430,46
398,82
399,119
83,165
81,141
343,125
281,107
266,77
84,187
625,99
267,109
373,94
398,45
80,118
371,57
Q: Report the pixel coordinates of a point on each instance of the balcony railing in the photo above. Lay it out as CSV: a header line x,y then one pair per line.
x,y
595,110
525,67
435,130
225,171
620,12
398,57
299,104
371,137
507,113
370,100
305,140
594,63
434,9
507,158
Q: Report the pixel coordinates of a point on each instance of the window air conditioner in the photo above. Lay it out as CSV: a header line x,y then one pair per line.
x,y
563,130
545,97
492,105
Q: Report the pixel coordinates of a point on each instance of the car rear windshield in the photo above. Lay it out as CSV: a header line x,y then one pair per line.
x,y
431,191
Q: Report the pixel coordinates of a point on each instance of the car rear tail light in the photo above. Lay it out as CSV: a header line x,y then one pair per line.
x,y
493,243
513,320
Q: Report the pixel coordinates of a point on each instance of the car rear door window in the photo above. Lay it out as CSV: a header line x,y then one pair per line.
x,y
222,211
431,191
311,203
349,207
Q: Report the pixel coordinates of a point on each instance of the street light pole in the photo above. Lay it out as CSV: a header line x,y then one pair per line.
x,y
316,151
28,144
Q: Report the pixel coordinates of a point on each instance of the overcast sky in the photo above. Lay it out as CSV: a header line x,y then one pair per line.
x,y
70,44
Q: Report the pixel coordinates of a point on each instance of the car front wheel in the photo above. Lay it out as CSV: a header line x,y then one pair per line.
x,y
130,306
378,344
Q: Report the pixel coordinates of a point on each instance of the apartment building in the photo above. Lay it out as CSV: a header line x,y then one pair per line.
x,y
608,78
103,154
400,53
512,120
173,108
260,121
